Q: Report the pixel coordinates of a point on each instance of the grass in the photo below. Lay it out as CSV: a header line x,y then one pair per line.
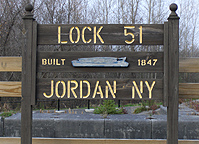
x,y
130,105
7,114
151,104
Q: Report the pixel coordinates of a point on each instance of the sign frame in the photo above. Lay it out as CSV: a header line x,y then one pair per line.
x,y
33,36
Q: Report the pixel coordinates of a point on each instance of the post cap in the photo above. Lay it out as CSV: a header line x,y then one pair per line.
x,y
28,14
29,8
173,7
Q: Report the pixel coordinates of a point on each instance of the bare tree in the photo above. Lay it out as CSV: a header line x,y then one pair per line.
x,y
188,28
10,27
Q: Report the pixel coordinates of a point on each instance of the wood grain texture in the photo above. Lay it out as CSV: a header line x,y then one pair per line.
x,y
189,65
188,90
132,59
173,79
10,89
166,65
33,64
123,88
13,64
13,89
112,34
28,52
16,140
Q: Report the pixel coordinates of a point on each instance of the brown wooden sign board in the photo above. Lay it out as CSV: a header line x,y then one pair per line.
x,y
33,88
138,61
101,34
132,89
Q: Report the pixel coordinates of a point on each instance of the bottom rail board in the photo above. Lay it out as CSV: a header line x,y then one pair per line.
x,y
10,89
9,140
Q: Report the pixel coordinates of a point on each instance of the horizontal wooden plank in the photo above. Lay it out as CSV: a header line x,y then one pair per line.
x,y
189,65
101,34
77,88
10,64
10,89
15,64
189,90
138,61
13,89
17,140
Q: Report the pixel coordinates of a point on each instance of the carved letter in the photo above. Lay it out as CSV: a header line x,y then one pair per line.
x,y
59,36
68,89
110,88
71,35
57,62
57,91
83,31
88,87
50,61
73,88
44,62
99,92
62,61
52,90
97,34
137,90
150,88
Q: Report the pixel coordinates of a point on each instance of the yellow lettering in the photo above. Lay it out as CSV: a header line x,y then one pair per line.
x,y
52,90
137,90
100,38
140,34
97,34
83,31
133,92
154,61
106,92
50,61
141,86
111,90
44,62
97,86
88,87
57,62
59,36
150,88
78,34
94,34
62,61
73,88
114,84
71,35
80,83
129,33
57,90
68,89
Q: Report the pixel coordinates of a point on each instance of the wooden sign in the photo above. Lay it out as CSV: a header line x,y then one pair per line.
x,y
34,88
137,89
101,34
137,61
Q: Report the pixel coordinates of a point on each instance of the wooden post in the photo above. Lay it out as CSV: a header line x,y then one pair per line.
x,y
173,86
28,75
166,64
